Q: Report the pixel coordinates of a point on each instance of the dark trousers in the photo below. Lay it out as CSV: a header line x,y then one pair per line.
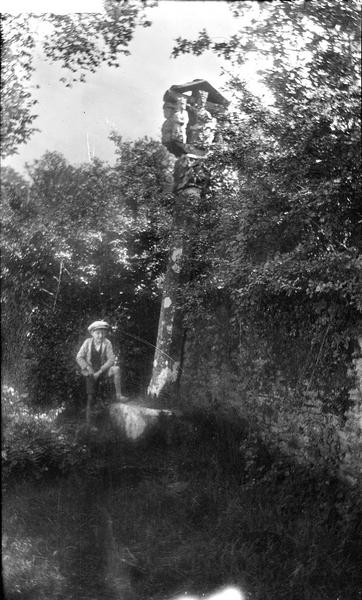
x,y
93,385
94,388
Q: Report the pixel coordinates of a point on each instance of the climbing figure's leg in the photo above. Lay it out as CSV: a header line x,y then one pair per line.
x,y
115,372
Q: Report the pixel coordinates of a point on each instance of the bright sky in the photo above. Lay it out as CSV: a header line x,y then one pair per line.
x,y
127,99
55,6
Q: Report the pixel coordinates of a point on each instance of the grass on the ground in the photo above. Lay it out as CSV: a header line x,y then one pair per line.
x,y
184,517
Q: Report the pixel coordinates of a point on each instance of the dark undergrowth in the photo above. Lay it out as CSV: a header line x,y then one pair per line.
x,y
203,506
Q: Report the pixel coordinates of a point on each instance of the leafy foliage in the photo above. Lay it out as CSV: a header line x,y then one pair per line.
x,y
94,233
273,307
80,42
16,70
275,289
33,445
281,244
84,41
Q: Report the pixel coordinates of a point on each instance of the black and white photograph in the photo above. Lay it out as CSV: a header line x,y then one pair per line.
x,y
181,300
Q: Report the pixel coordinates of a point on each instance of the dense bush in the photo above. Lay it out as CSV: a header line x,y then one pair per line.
x,y
33,445
276,291
93,233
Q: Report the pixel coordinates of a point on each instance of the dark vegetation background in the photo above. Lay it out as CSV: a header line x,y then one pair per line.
x,y
272,310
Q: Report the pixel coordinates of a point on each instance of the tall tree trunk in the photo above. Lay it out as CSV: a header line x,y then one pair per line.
x,y
170,335
188,133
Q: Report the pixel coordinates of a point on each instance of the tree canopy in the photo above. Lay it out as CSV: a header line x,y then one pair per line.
x,y
285,256
95,233
275,294
80,42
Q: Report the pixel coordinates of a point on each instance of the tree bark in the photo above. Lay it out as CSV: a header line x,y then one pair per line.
x,y
188,133
170,336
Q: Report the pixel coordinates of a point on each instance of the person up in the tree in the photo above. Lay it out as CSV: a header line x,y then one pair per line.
x,y
96,360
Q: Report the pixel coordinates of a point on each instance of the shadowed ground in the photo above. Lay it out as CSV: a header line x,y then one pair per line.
x,y
162,517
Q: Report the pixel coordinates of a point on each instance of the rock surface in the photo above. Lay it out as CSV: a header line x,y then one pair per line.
x,y
135,421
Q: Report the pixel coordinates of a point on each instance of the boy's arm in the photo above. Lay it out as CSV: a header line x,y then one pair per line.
x,y
81,357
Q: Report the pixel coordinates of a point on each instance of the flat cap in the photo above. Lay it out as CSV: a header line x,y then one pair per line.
x,y
98,325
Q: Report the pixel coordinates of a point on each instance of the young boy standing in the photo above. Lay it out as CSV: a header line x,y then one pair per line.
x,y
96,360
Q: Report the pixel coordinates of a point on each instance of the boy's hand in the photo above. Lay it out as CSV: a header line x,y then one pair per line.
x,y
96,375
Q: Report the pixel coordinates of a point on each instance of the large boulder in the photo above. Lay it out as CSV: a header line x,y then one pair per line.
x,y
135,421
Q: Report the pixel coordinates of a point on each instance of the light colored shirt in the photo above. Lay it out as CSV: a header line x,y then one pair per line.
x,y
83,357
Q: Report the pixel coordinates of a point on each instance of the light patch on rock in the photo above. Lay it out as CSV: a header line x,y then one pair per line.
x,y
229,593
167,302
134,420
